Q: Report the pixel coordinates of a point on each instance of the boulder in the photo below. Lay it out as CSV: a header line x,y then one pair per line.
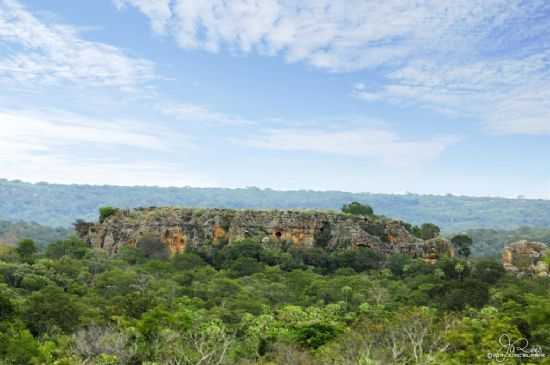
x,y
525,257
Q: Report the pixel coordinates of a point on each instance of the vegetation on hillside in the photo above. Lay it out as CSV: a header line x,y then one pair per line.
x,y
12,232
254,303
490,242
61,205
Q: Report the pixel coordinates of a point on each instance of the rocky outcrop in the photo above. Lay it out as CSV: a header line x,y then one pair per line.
x,y
180,228
525,257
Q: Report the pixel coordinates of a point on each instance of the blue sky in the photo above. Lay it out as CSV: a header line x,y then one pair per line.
x,y
433,96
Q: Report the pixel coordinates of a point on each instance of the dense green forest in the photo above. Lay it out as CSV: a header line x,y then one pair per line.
x,y
249,303
60,205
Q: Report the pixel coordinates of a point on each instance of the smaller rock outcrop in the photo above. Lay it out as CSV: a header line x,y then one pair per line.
x,y
526,257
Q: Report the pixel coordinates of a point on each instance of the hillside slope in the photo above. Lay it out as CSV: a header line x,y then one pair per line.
x,y
61,205
12,232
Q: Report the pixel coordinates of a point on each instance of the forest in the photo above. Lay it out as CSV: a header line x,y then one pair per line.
x,y
60,205
254,303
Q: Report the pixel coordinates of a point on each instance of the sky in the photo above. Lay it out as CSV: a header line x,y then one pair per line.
x,y
394,96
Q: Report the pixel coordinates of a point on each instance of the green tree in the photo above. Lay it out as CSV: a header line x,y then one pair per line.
x,y
72,247
51,307
245,266
20,348
26,249
488,271
106,212
7,309
315,335
187,261
429,231
357,208
462,244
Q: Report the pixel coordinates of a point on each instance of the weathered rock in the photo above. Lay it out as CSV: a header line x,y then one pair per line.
x,y
541,267
180,228
525,257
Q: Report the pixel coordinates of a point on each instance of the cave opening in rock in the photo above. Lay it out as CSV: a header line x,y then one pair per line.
x,y
278,234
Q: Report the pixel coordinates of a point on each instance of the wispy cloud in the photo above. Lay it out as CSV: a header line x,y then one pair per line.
x,y
510,95
36,51
60,146
44,130
486,59
371,143
27,135
157,10
339,36
198,113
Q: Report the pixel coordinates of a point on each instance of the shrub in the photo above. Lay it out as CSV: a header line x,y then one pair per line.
x,y
106,212
357,208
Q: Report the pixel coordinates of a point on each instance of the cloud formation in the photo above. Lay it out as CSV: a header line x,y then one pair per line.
x,y
374,143
338,36
198,113
55,145
35,51
158,11
510,96
486,59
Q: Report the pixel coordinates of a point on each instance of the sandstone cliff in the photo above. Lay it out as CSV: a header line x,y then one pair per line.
x,y
525,257
180,228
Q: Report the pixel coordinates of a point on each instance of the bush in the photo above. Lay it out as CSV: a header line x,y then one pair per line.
x,y
246,266
357,208
72,247
26,249
187,261
488,271
106,212
462,244
315,335
7,309
429,231
51,308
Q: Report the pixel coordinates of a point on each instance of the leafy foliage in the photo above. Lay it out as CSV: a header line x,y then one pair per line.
x,y
462,244
106,212
357,208
254,303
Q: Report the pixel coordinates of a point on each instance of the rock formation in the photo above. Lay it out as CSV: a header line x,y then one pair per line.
x,y
180,228
525,257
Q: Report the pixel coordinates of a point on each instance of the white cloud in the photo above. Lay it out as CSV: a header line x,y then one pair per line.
x,y
478,58
38,51
374,143
27,131
510,96
338,36
63,147
157,10
199,113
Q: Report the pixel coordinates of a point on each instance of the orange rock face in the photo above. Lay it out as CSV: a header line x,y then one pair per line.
x,y
181,228
175,240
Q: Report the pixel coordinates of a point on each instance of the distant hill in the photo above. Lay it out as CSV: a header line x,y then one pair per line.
x,y
60,205
490,242
12,232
